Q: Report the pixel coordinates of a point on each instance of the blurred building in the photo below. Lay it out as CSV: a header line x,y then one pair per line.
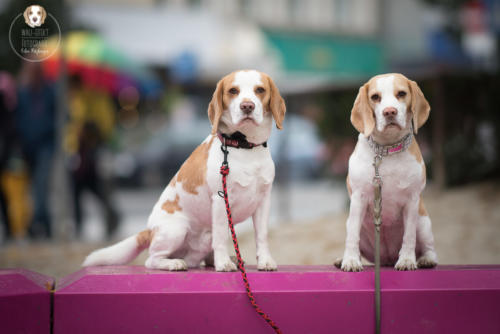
x,y
320,51
303,44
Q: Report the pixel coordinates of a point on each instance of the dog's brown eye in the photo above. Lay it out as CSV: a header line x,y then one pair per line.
x,y
260,90
38,13
233,91
401,94
375,97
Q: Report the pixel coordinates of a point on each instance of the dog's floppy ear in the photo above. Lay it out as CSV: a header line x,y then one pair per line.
x,y
276,104
419,106
25,14
44,15
215,107
361,113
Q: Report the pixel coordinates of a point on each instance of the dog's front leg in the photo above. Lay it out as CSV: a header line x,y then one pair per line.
x,y
222,261
407,260
352,258
260,220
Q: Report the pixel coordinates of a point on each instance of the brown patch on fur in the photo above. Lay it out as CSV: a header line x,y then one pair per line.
x,y
193,171
349,190
362,113
421,208
415,151
221,100
272,98
144,238
419,106
172,206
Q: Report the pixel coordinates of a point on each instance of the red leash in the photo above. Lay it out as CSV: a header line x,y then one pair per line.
x,y
224,170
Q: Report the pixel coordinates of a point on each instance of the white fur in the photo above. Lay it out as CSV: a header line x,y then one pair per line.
x,y
120,253
231,121
405,235
385,86
246,81
185,238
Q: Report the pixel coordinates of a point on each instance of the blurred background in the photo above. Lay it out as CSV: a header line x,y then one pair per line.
x,y
91,135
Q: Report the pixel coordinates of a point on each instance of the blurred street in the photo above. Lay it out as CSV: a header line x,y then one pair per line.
x,y
466,225
306,201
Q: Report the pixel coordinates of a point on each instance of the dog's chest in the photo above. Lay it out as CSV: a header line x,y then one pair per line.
x,y
402,179
251,173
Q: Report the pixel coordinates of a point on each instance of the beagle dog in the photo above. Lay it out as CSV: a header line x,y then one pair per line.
x,y
189,224
34,16
388,111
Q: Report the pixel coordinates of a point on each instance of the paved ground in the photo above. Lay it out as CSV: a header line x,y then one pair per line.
x,y
466,224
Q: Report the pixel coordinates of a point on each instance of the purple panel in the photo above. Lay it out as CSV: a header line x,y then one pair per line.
x,y
319,299
25,301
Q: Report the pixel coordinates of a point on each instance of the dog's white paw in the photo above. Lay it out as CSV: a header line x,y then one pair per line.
x,y
406,263
167,264
225,266
428,260
338,262
177,264
266,263
351,263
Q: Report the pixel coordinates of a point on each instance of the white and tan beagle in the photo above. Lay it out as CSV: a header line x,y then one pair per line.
x,y
387,110
188,224
34,16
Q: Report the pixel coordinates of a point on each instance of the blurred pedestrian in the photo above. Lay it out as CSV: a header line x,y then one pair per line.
x,y
5,140
14,182
35,120
90,126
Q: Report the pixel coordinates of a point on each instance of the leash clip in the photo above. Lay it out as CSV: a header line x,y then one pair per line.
x,y
377,179
224,150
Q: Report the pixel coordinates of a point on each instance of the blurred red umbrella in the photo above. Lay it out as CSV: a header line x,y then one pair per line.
x,y
99,64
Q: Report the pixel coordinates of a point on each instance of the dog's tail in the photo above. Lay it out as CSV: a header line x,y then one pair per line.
x,y
120,253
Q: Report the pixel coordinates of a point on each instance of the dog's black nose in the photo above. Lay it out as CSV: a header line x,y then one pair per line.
x,y
34,19
247,107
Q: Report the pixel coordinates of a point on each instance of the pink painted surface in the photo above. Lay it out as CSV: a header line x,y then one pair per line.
x,y
25,301
317,299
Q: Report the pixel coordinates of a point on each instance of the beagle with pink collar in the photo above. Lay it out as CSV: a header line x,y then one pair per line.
x,y
389,108
188,224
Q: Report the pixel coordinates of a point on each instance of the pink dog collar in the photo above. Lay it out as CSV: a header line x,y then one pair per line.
x,y
385,150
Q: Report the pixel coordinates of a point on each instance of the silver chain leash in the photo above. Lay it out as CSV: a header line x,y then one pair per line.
x,y
377,220
380,152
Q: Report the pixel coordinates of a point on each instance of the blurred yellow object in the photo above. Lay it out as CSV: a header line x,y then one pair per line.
x,y
17,187
88,105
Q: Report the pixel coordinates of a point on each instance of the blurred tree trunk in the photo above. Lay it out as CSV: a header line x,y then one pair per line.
x,y
438,134
61,196
284,172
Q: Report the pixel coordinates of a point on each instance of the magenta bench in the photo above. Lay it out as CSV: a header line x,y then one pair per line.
x,y
313,299
25,302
